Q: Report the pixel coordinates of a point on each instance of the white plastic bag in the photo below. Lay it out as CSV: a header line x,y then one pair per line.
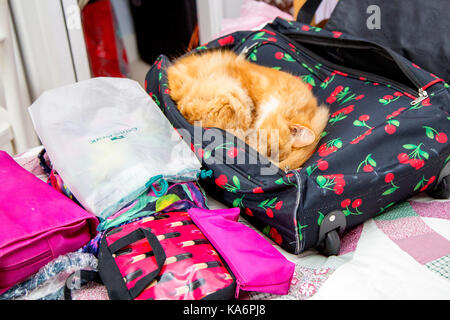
x,y
107,138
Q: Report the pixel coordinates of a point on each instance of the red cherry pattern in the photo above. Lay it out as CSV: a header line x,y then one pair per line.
x,y
336,34
258,190
269,204
441,137
329,147
348,205
367,164
321,164
345,110
414,158
226,40
362,137
222,180
432,133
423,184
232,152
279,55
390,129
273,233
332,182
332,98
389,177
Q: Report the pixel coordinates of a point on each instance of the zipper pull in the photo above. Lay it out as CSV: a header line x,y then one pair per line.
x,y
238,288
247,49
422,96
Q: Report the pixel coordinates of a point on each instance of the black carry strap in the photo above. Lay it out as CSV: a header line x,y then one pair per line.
x,y
85,277
43,163
307,11
158,252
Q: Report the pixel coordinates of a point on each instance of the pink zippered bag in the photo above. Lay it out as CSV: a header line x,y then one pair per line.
x,y
37,223
256,264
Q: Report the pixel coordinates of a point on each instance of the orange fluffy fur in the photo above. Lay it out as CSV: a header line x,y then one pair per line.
x,y
224,90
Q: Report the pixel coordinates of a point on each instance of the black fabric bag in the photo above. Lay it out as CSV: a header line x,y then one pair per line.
x,y
163,27
386,139
416,29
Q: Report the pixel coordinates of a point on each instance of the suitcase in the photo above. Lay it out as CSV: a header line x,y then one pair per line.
x,y
386,140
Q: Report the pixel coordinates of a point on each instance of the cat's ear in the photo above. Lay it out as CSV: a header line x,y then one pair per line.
x,y
302,136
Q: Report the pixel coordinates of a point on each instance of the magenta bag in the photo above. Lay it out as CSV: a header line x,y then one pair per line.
x,y
38,223
256,264
160,257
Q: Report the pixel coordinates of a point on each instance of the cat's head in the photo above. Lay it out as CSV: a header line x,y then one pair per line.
x,y
298,130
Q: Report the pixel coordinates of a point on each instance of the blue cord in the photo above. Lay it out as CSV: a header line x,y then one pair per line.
x,y
159,179
161,182
204,174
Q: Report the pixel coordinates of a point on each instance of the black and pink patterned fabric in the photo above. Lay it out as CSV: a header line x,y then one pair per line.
x,y
163,257
378,149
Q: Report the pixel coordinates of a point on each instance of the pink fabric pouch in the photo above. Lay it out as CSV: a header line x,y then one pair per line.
x,y
256,264
37,223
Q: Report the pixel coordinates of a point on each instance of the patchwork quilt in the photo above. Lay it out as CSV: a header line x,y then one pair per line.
x,y
403,253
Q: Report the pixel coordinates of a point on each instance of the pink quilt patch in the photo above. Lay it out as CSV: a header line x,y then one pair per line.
x,y
416,238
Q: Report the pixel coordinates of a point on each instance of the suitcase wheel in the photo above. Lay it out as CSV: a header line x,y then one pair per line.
x,y
330,245
442,189
331,226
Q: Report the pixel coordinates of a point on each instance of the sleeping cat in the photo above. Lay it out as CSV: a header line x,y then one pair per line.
x,y
224,90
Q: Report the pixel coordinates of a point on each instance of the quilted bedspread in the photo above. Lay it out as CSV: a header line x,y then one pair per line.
x,y
403,253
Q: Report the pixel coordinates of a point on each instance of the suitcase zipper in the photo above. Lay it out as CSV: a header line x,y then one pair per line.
x,y
422,96
419,94
26,263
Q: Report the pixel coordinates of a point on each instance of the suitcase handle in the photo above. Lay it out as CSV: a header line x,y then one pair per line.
x,y
307,11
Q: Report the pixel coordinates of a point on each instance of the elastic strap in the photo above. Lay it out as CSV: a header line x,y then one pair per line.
x,y
205,174
159,179
43,163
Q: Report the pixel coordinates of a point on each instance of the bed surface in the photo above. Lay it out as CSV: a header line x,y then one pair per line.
x,y
403,253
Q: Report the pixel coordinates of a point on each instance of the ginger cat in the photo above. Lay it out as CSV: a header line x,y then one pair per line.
x,y
224,90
